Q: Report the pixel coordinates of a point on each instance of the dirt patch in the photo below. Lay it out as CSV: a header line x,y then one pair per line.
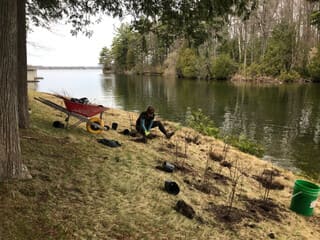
x,y
268,182
228,215
314,220
210,174
162,149
256,209
181,155
265,210
184,167
226,164
171,145
207,188
216,156
28,191
43,196
195,139
139,140
153,136
185,209
271,172
43,177
143,139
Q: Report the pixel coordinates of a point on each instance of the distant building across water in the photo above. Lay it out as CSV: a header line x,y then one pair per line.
x,y
32,74
32,70
67,67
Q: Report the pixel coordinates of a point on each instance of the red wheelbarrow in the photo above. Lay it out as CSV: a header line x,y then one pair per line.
x,y
83,112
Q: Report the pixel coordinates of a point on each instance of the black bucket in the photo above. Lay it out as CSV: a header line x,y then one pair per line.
x,y
171,187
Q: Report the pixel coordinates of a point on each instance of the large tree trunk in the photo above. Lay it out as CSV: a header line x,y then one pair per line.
x,y
10,153
22,67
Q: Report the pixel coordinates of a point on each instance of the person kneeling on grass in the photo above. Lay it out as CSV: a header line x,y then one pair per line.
x,y
146,121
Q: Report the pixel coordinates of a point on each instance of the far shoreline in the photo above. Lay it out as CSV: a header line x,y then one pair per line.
x,y
235,79
66,67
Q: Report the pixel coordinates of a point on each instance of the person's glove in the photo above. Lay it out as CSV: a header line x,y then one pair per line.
x,y
146,133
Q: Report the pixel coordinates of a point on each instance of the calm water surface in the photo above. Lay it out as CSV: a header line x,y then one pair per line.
x,y
285,119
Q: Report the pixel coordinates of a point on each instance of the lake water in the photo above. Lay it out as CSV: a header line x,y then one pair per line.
x,y
285,119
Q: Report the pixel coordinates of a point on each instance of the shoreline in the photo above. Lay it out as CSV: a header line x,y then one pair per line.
x,y
118,193
236,79
265,80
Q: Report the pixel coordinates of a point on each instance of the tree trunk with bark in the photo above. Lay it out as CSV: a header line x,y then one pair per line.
x,y
10,154
23,113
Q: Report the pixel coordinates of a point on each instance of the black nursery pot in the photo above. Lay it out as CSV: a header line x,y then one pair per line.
x,y
58,124
171,187
114,126
168,167
126,132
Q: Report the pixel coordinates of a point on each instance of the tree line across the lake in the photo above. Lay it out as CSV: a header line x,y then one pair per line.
x,y
274,39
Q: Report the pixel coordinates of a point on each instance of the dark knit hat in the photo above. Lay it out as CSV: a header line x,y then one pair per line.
x,y
150,109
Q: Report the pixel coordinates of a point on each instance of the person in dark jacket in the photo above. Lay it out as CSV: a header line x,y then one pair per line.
x,y
146,121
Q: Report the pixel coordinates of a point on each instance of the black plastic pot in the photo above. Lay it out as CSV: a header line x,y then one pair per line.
x,y
114,126
171,187
168,167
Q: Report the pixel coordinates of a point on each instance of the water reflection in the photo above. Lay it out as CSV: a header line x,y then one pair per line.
x,y
284,118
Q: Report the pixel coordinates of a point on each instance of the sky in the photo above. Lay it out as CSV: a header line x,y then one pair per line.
x,y
57,47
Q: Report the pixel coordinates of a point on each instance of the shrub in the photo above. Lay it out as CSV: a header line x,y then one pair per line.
x,y
314,70
246,145
290,76
187,63
271,69
254,70
223,67
203,124
278,55
314,65
200,122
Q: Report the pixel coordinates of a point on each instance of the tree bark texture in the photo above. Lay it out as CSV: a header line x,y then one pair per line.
x,y
23,112
10,153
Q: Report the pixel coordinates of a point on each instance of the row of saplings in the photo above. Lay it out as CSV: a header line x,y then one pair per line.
x,y
256,209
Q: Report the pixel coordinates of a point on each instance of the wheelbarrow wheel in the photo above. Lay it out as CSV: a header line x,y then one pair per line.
x,y
93,128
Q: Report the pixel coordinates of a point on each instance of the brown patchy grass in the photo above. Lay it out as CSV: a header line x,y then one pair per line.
x,y
84,190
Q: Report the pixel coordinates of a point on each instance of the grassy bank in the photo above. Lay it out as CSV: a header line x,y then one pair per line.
x,y
84,190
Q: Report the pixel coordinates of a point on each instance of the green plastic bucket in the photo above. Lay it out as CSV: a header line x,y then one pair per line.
x,y
304,197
